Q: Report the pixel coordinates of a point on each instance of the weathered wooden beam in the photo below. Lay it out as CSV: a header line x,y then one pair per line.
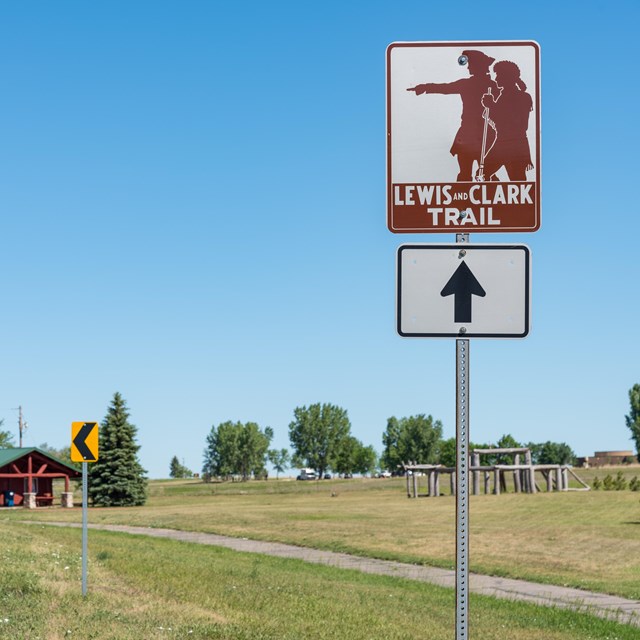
x,y
498,450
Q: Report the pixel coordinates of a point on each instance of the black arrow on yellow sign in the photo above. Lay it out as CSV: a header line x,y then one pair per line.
x,y
80,442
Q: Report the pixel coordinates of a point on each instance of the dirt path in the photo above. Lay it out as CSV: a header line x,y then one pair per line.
x,y
605,606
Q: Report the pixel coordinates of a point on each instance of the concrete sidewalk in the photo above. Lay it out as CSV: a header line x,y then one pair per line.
x,y
602,605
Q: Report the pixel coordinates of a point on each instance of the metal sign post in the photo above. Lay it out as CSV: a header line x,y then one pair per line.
x,y
85,536
84,449
462,482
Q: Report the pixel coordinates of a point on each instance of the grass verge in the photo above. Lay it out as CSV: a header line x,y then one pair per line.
x,y
141,588
588,540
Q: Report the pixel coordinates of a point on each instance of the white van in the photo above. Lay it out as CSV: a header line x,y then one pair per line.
x,y
307,474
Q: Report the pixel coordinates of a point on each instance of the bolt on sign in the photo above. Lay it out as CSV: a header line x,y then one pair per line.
x,y
463,137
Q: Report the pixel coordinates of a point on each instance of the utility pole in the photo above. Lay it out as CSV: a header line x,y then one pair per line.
x,y
22,425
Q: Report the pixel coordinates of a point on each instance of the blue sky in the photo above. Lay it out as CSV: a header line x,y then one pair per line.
x,y
193,213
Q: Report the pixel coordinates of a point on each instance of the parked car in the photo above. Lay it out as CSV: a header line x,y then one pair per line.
x,y
327,476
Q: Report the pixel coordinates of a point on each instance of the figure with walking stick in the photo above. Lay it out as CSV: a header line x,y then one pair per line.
x,y
473,133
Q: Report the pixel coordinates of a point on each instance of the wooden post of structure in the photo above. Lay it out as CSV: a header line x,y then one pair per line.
x,y
452,480
415,484
549,479
432,483
565,480
517,485
496,481
436,484
558,479
476,474
532,473
487,482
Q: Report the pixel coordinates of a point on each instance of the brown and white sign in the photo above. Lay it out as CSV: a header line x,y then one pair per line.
x,y
463,137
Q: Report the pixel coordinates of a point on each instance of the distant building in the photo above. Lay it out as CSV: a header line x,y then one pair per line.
x,y
605,458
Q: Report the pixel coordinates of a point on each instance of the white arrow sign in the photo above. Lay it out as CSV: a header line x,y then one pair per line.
x,y
463,291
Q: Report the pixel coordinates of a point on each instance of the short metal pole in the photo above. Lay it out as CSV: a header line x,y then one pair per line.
x,y
84,528
462,484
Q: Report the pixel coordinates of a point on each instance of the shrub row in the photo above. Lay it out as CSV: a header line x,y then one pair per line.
x,y
619,483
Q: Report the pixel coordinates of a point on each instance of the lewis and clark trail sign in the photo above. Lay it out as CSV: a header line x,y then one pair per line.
x,y
463,137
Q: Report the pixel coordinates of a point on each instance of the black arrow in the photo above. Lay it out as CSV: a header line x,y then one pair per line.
x,y
463,284
79,441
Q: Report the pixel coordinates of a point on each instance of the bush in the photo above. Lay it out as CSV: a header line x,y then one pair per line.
x,y
620,483
596,484
607,483
634,484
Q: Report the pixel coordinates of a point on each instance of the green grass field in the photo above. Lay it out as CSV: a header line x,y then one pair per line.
x,y
142,589
581,539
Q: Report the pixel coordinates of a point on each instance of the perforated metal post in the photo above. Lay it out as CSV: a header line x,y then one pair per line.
x,y
462,493
462,483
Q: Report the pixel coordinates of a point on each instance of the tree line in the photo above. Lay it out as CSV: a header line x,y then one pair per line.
x,y
320,436
321,439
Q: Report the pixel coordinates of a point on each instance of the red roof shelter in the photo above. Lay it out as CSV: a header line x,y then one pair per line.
x,y
31,471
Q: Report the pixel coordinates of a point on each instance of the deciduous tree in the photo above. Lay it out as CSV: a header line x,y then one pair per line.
x,y
6,438
234,448
63,454
412,439
317,433
279,459
551,453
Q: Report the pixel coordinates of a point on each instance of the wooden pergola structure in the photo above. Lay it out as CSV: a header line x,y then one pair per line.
x,y
556,476
27,475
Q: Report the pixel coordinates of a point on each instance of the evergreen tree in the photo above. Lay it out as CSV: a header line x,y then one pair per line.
x,y
177,470
633,419
117,478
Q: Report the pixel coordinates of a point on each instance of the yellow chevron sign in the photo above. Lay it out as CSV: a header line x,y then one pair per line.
x,y
84,441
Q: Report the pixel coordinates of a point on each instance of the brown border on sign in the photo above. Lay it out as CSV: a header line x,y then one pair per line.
x,y
463,229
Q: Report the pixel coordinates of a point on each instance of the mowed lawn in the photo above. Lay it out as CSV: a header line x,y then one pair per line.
x,y
587,540
142,588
